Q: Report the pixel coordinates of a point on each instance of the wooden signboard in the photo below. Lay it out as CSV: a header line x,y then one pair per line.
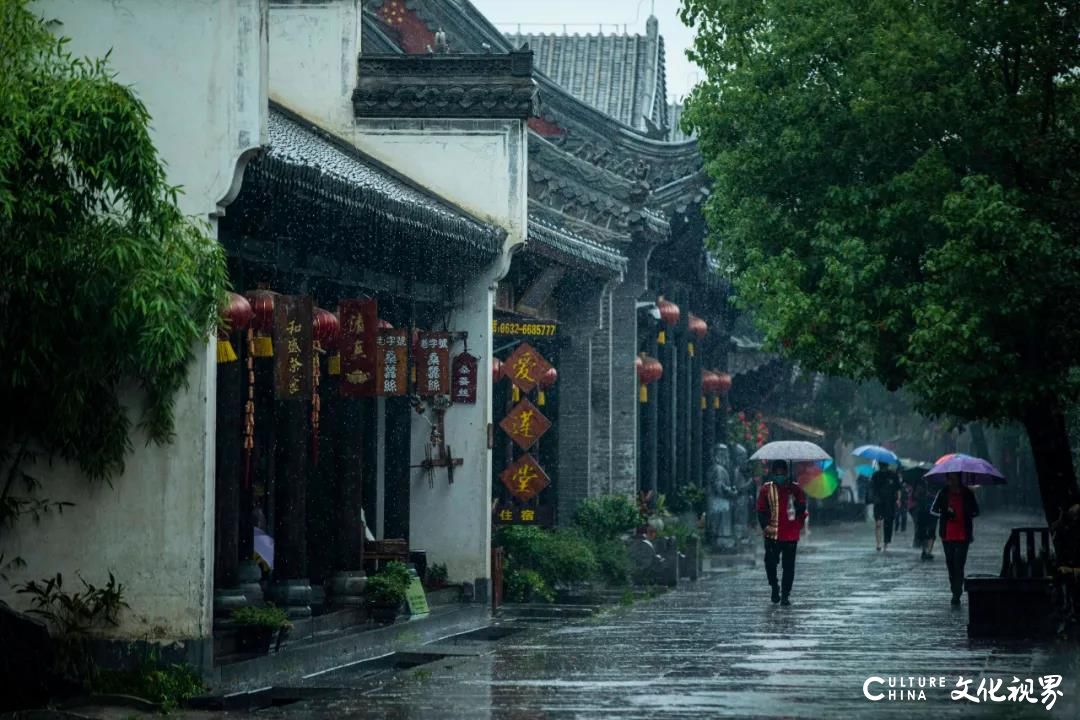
x,y
525,424
392,362
415,597
432,354
359,326
525,367
293,350
524,478
463,376
510,513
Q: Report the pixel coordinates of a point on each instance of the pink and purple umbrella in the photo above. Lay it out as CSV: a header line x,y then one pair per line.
x,y
973,470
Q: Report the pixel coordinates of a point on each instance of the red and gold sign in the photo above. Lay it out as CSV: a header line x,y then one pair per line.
x,y
525,478
525,367
359,326
463,379
510,513
293,349
525,424
392,362
432,354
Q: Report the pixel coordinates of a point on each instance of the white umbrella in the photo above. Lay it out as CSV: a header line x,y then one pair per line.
x,y
790,450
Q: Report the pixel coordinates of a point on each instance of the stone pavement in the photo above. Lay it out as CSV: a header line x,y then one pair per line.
x,y
718,648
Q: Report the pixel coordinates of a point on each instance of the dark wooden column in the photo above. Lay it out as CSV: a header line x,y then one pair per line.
x,y
229,443
292,588
696,413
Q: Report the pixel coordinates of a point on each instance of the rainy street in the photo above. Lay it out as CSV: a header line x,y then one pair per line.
x,y
718,648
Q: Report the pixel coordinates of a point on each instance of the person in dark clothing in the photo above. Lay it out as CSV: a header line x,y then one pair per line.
x,y
781,511
900,522
922,519
885,493
956,508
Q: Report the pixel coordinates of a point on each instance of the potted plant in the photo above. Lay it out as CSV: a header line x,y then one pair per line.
x,y
385,592
436,576
256,628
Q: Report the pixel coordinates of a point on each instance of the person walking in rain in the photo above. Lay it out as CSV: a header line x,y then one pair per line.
x,y
885,494
956,508
925,532
781,511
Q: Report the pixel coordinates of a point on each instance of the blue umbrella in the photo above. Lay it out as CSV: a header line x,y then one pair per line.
x,y
876,452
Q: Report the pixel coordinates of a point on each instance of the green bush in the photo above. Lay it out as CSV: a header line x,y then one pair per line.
x,y
682,532
526,585
388,586
606,517
166,685
560,556
612,561
689,498
268,617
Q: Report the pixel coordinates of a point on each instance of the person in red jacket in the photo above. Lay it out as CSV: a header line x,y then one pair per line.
x,y
781,510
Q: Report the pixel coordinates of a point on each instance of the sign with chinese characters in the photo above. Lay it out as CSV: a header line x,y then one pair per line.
x,y
525,424
463,374
525,367
432,354
510,513
359,327
516,328
292,347
392,362
524,478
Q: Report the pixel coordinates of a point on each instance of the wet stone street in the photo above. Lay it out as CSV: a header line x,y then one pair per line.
x,y
718,648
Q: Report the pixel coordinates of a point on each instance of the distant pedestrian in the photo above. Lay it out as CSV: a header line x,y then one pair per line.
x,y
781,511
900,522
885,494
956,508
924,522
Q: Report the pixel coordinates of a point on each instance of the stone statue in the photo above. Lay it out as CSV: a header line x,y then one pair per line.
x,y
721,492
746,489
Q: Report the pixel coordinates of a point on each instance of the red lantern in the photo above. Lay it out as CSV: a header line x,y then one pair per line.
x,y
548,379
496,369
710,382
236,317
325,328
649,371
669,312
724,383
697,326
262,305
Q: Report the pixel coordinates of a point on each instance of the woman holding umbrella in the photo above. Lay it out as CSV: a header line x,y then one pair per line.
x,y
956,508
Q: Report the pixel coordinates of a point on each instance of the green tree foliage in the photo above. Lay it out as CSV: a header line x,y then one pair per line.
x,y
103,281
896,194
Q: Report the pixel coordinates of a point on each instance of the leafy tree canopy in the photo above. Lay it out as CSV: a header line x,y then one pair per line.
x,y
103,281
897,193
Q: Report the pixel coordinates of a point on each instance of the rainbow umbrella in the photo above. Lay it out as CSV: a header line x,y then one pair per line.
x,y
818,479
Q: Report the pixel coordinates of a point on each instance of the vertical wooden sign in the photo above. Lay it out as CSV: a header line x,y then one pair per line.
x,y
463,377
433,363
359,328
392,362
292,347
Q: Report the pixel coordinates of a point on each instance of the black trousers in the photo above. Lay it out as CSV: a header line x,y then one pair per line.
x,y
955,560
777,551
901,521
886,513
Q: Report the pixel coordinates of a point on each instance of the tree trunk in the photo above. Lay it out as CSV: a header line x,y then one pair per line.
x,y
1045,425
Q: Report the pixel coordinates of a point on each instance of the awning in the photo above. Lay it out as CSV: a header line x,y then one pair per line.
x,y
562,245
317,188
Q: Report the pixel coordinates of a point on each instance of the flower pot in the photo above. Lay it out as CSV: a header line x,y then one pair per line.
x,y
383,614
255,639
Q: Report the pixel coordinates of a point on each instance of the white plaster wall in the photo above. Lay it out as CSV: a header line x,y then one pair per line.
x,y
200,68
314,48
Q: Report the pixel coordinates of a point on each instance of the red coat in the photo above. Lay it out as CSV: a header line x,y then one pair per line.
x,y
781,510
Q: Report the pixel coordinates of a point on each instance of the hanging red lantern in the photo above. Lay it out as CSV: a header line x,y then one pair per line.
x,y
710,382
236,317
724,383
669,312
262,321
698,327
325,329
548,379
496,369
649,371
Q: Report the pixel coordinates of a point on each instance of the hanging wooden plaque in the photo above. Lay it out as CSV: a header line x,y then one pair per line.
x,y
525,367
392,362
359,326
292,347
432,359
463,376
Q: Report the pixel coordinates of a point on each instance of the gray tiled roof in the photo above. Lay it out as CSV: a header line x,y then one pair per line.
x,y
675,113
621,75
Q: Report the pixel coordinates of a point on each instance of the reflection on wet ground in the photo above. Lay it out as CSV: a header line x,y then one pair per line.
x,y
720,648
